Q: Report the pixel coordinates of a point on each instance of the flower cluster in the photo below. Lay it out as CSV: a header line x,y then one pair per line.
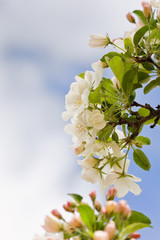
x,y
113,221
97,105
104,160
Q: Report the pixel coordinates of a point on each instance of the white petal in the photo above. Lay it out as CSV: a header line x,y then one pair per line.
x,y
66,115
122,187
133,187
135,179
127,165
110,179
69,128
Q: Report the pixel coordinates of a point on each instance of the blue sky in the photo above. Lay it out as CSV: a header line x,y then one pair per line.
x,y
43,45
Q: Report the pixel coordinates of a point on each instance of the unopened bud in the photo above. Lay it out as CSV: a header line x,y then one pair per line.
x,y
111,207
111,193
130,18
93,195
147,10
71,204
135,235
97,206
103,211
111,229
56,213
100,41
100,235
127,211
68,208
124,209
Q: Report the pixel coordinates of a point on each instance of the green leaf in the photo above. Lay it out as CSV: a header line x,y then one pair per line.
x,y
147,65
131,228
141,159
104,91
143,140
151,85
143,112
127,82
136,85
110,55
105,133
117,67
115,137
141,16
87,215
94,97
76,197
138,217
143,77
82,75
139,34
128,45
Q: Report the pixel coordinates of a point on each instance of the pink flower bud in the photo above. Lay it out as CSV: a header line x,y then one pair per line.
x,y
124,209
111,229
71,204
135,235
93,195
127,211
103,211
68,208
111,193
111,207
147,10
56,213
121,206
97,206
101,235
76,221
130,18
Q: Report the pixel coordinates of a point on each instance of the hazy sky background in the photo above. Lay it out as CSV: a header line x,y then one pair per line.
x,y
43,45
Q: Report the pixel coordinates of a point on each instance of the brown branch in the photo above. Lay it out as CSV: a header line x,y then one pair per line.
x,y
140,120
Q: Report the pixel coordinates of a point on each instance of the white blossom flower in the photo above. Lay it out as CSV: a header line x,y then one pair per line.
x,y
52,224
96,119
80,129
155,4
89,173
123,184
98,41
94,77
77,98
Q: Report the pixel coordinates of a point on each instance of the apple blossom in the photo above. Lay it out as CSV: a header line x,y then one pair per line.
x,y
52,224
100,41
